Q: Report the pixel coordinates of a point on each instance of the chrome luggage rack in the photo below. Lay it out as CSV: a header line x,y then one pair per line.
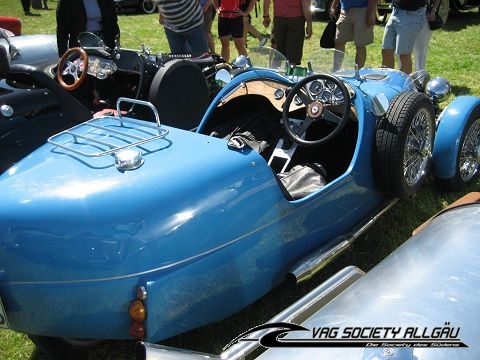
x,y
110,135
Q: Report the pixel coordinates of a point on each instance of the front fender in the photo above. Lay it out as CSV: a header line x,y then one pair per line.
x,y
453,120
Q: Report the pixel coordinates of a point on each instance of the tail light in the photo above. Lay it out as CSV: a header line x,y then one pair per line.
x,y
138,314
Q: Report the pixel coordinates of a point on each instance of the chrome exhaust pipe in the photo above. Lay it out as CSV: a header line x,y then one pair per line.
x,y
317,261
295,313
147,351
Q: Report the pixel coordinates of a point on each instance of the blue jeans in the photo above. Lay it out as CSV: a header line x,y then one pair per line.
x,y
191,42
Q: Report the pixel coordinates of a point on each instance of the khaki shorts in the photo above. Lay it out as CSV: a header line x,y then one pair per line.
x,y
352,26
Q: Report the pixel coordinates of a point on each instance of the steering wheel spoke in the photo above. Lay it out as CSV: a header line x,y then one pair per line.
x,y
331,116
304,96
74,63
315,110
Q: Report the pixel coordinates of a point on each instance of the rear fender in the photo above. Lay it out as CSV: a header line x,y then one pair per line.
x,y
452,121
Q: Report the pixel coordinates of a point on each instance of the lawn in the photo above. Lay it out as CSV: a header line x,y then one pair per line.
x,y
454,54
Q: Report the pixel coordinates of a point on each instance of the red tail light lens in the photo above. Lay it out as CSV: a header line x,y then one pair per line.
x,y
137,330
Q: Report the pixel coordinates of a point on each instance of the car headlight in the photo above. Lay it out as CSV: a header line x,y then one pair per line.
x,y
438,89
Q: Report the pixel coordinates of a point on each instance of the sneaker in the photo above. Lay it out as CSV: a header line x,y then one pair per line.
x,y
263,40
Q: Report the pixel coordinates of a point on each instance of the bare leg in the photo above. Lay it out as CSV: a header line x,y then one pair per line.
x,y
361,56
406,63
225,41
388,58
240,45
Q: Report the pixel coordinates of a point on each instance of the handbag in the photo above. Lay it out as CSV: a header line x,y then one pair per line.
x,y
327,40
437,23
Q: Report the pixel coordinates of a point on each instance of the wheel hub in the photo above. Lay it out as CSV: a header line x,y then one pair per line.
x,y
315,109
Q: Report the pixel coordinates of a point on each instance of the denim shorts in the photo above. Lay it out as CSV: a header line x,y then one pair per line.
x,y
402,29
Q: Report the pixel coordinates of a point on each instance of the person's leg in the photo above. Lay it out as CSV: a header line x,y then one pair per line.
x,y
197,41
420,49
236,30
343,34
388,58
207,23
406,63
250,29
224,34
411,23
360,56
280,28
176,42
389,41
240,45
26,6
295,40
362,35
225,52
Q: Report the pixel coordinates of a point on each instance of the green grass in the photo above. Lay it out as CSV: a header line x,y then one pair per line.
x,y
453,54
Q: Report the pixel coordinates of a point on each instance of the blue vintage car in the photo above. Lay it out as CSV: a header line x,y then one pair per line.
x,y
129,229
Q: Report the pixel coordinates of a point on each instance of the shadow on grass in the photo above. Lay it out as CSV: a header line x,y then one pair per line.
x,y
459,20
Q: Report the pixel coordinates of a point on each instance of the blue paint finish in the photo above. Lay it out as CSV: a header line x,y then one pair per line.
x,y
450,128
205,228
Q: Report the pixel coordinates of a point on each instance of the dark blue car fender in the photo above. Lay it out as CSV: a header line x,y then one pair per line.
x,y
452,122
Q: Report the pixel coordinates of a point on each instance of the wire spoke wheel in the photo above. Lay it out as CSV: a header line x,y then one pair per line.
x,y
470,153
418,147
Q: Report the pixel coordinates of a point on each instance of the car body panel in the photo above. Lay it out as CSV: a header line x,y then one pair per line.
x,y
35,50
429,281
198,224
452,120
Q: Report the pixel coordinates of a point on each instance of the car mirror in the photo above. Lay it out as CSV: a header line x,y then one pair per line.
x,y
223,77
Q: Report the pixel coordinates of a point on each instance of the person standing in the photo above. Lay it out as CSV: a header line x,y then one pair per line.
x,y
248,27
420,49
230,24
26,8
208,16
355,23
77,16
182,21
406,21
292,22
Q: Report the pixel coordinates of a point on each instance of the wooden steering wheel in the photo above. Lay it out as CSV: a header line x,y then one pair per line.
x,y
74,63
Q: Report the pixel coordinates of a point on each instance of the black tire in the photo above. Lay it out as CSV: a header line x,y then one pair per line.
x,y
63,349
467,164
404,144
147,6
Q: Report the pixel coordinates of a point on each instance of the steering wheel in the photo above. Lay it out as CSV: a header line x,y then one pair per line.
x,y
77,68
315,110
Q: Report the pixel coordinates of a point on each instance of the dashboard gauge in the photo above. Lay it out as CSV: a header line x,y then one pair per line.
x,y
279,94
